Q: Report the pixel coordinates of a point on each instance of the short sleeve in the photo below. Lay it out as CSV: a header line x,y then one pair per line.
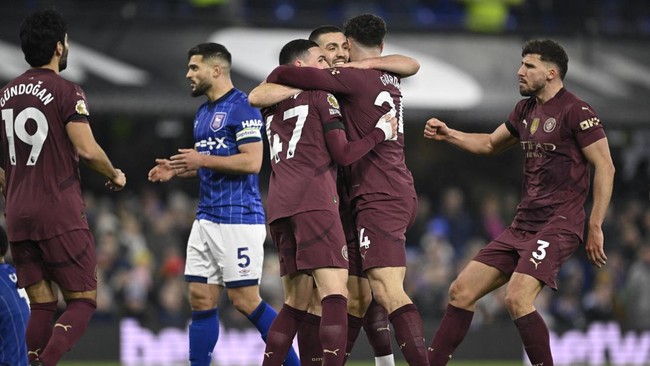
x,y
75,107
247,123
585,124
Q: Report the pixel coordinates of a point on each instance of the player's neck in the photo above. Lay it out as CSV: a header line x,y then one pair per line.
x,y
53,65
218,90
365,53
549,92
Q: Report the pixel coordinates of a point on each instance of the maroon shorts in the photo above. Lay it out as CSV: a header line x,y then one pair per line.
x,y
309,240
68,260
382,221
349,229
538,254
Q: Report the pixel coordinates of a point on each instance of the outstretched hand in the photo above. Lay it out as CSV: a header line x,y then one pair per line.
x,y
162,172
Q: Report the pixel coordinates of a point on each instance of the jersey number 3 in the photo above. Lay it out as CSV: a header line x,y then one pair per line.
x,y
18,127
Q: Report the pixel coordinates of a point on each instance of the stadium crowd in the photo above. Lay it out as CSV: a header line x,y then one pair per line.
x,y
598,17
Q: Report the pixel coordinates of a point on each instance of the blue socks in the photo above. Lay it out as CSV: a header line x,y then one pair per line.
x,y
262,317
204,332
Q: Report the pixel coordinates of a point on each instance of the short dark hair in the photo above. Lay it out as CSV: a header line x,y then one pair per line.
x,y
549,51
210,50
367,29
4,242
294,50
39,34
324,29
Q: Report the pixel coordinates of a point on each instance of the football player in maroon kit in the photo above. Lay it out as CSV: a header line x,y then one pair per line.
x,y
307,140
46,132
561,138
362,310
380,185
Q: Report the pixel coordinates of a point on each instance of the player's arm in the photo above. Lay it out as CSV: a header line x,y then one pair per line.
x,y
476,143
248,161
268,94
346,152
93,155
401,65
336,81
599,156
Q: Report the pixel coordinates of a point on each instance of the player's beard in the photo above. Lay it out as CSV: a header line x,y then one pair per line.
x,y
200,89
63,61
532,90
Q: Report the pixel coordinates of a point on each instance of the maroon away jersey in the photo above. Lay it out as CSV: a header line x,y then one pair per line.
x,y
303,176
556,173
365,96
43,191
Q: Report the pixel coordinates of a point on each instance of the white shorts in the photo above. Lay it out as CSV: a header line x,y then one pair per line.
x,y
225,254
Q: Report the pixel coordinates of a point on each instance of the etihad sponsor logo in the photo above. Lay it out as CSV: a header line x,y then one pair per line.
x,y
589,123
533,149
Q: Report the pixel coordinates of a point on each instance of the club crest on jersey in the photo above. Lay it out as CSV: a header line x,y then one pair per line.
x,y
81,108
549,125
218,121
534,125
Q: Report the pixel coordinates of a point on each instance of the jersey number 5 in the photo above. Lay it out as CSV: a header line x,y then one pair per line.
x,y
18,127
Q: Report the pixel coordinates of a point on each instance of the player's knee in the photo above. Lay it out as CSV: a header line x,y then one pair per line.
x,y
243,303
358,302
200,299
459,295
517,305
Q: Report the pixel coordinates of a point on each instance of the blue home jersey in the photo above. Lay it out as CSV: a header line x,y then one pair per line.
x,y
14,313
220,128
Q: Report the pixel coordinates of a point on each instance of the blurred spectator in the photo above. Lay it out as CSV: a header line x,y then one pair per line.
x,y
453,221
637,291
